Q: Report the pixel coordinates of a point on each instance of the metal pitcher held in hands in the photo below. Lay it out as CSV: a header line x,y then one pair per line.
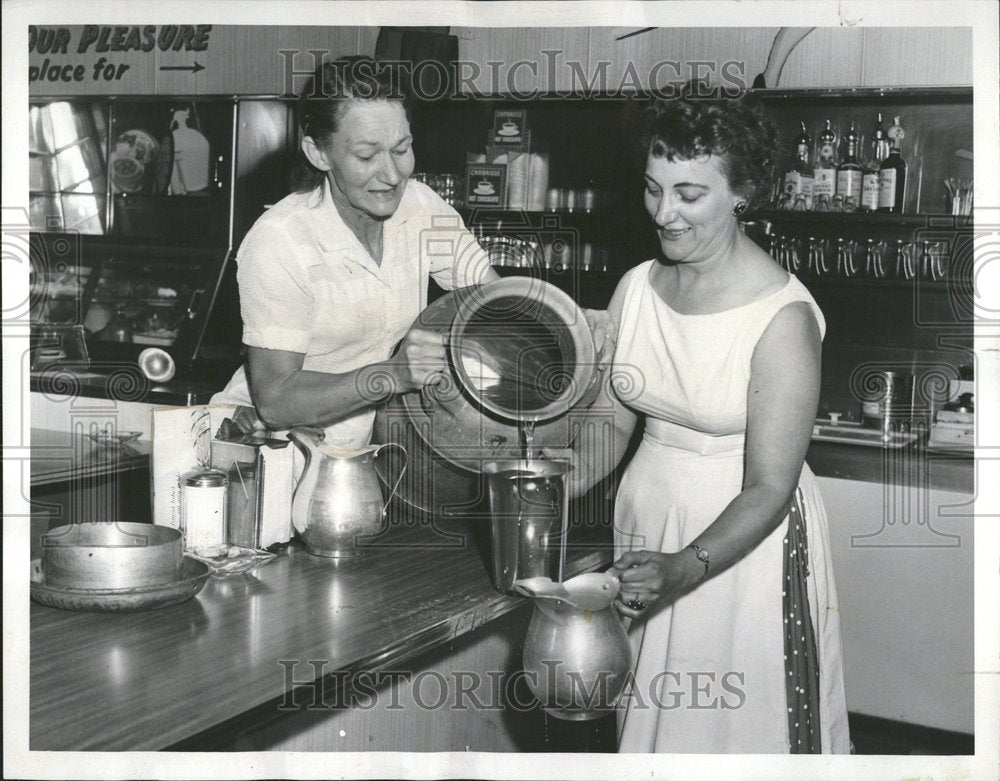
x,y
338,501
577,657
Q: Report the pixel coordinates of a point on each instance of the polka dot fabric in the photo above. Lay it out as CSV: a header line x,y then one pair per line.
x,y
801,652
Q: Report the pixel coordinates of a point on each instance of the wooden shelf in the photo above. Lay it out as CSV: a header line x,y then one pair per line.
x,y
516,217
879,283
915,94
860,219
606,228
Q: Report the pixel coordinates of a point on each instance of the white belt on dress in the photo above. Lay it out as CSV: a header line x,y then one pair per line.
x,y
674,435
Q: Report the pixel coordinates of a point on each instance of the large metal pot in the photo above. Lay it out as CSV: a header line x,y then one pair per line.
x,y
519,350
111,555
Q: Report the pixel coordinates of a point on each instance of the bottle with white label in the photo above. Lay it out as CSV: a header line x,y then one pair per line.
x,y
892,174
798,186
825,170
878,150
849,173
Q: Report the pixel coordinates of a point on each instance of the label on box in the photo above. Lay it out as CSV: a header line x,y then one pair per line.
x,y
508,128
498,154
485,185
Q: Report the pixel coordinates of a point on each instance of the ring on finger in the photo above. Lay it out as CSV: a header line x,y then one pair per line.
x,y
636,604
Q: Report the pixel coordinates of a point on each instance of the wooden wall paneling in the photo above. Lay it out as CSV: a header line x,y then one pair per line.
x,y
122,73
746,45
220,61
826,57
508,46
917,56
264,72
367,36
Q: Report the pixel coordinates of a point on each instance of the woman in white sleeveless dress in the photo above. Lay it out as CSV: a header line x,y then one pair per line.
x,y
720,533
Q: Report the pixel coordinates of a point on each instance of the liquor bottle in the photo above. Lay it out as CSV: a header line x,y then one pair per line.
x,y
878,150
825,170
799,177
892,174
849,173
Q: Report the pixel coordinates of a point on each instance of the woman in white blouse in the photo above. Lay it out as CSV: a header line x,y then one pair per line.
x,y
332,277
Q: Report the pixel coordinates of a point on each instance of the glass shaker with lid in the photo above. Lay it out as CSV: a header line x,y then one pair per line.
x,y
203,510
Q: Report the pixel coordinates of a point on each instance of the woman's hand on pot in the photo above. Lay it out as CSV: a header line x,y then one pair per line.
x,y
420,360
602,329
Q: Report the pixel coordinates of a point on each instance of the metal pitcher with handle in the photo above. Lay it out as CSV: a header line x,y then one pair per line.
x,y
577,657
338,501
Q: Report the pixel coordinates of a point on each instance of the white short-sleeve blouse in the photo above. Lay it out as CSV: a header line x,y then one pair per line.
x,y
308,285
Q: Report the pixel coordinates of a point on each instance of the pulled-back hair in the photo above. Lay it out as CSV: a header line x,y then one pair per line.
x,y
735,130
328,94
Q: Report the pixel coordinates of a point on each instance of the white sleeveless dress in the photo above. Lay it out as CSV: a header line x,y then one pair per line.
x,y
711,673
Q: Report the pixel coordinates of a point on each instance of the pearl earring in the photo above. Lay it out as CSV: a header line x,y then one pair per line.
x,y
739,208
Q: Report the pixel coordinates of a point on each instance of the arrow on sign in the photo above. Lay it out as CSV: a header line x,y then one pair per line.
x,y
193,68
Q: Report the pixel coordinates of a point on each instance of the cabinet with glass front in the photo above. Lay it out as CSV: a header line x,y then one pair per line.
x,y
131,218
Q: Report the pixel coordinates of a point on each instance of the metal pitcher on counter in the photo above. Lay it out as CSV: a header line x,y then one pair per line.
x,y
338,501
577,656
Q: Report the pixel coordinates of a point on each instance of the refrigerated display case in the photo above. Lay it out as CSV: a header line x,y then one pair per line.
x,y
131,211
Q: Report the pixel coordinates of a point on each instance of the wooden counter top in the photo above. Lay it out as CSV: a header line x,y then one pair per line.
x,y
146,681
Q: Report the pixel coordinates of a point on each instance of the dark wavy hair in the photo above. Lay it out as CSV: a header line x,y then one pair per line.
x,y
327,95
735,129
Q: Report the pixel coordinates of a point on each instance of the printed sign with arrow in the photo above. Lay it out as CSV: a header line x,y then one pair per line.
x,y
193,68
